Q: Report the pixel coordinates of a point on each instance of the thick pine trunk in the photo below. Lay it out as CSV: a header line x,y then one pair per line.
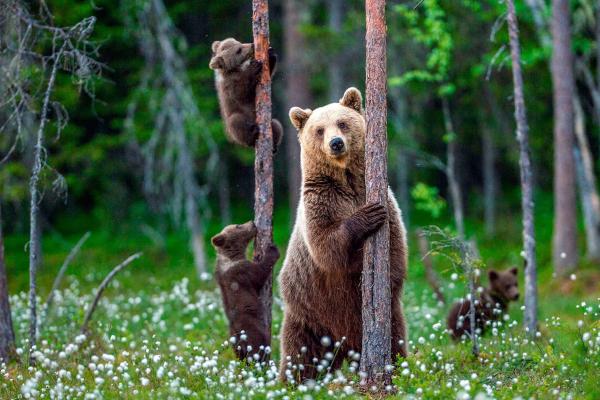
x,y
297,90
564,242
7,335
526,181
376,295
588,189
263,164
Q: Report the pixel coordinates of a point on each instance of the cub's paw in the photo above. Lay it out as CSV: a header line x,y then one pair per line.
x,y
272,254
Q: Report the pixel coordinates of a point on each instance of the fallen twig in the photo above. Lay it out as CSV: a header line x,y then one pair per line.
x,y
61,272
103,286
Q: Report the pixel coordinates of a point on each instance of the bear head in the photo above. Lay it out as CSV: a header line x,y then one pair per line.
x,y
234,239
505,283
229,54
334,133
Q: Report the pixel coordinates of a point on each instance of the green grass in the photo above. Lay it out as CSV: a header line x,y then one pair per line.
x,y
161,333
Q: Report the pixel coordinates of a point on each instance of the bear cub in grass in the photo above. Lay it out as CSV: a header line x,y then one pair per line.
x,y
320,281
491,305
236,76
240,281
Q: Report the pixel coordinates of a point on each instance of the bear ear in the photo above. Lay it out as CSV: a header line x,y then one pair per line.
x,y
493,275
218,240
215,46
217,62
514,271
353,99
299,116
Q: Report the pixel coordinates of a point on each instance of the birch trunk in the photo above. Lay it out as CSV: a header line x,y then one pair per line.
x,y
7,335
526,181
376,295
564,242
263,165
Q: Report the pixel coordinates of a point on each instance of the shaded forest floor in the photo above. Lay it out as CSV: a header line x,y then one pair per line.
x,y
160,333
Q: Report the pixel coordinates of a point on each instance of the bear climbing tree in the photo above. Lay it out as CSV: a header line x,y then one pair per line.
x,y
263,164
376,295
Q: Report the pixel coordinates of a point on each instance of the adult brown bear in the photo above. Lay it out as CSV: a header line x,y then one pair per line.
x,y
320,281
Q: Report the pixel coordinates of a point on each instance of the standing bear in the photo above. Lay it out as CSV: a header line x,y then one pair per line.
x,y
320,281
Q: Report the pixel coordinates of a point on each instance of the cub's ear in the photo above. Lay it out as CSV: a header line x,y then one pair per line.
x,y
493,275
514,271
215,46
218,240
299,116
217,62
353,99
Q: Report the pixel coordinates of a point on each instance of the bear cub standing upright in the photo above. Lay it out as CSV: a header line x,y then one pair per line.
x,y
240,281
493,302
236,75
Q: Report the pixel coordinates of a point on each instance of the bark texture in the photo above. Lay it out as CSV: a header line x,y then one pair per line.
x,y
564,241
7,334
376,310
297,93
263,164
530,317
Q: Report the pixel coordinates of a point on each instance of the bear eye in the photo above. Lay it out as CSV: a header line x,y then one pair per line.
x,y
320,131
342,125
239,51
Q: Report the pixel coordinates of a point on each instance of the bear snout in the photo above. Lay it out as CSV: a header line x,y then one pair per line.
x,y
337,145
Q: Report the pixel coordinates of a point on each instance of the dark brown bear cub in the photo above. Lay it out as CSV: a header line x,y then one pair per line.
x,y
492,304
240,281
236,76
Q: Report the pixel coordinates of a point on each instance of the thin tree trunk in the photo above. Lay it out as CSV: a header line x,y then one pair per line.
x,y
432,278
335,66
7,334
490,180
587,185
297,89
526,181
263,166
565,207
453,184
376,295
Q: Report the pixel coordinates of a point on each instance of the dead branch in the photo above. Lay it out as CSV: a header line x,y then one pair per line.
x,y
103,286
61,272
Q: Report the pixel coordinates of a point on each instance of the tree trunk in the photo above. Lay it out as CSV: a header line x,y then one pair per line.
x,y
587,185
297,88
526,181
490,180
453,184
376,295
565,209
7,335
263,166
335,66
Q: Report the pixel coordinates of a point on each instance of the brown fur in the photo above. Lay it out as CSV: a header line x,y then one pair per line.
x,y
493,302
236,76
240,281
320,280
